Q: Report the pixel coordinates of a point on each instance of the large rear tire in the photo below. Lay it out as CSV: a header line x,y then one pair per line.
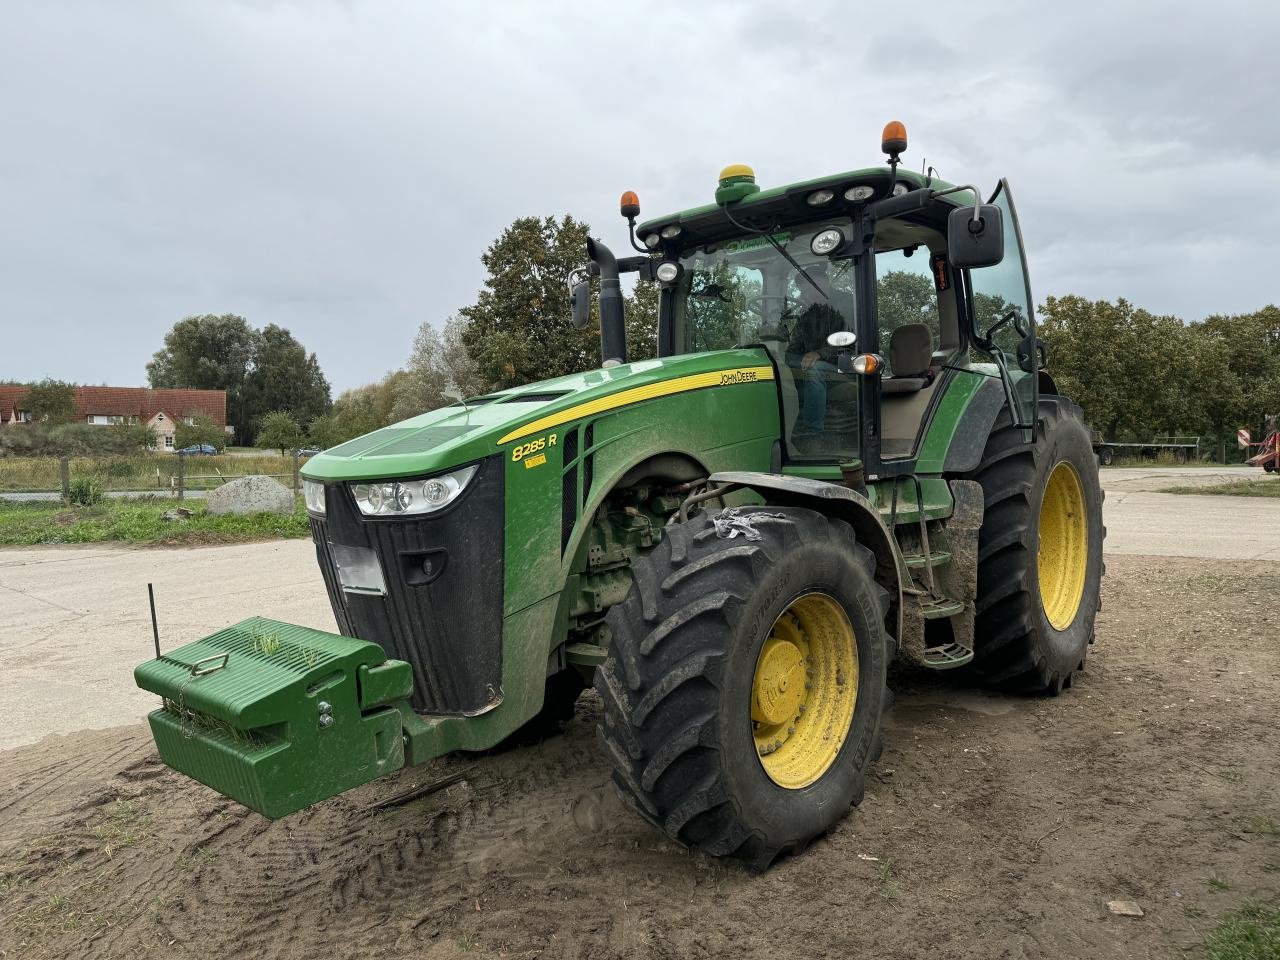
x,y
1039,552
745,682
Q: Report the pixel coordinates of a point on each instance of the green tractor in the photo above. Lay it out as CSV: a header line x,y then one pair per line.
x,y
846,451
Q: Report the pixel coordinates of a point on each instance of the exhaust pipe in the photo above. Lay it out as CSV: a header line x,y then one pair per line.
x,y
613,330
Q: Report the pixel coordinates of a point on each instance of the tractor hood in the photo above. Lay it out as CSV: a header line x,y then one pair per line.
x,y
457,435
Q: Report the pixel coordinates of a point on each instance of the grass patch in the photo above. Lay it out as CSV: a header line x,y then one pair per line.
x,y
1249,933
888,888
199,857
1265,487
157,471
1262,827
124,826
1216,884
140,522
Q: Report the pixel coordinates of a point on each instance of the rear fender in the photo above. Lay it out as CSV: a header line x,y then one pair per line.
x,y
839,501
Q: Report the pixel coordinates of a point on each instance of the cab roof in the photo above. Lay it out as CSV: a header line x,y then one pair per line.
x,y
788,203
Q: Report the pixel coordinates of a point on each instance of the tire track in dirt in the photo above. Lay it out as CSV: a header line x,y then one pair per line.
x,y
992,827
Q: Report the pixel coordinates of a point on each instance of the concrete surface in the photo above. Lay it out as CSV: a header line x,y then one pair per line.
x,y
74,620
1158,478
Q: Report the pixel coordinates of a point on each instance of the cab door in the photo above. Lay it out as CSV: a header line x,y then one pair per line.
x,y
1004,320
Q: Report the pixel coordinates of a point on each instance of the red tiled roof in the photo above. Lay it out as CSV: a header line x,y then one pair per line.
x,y
140,402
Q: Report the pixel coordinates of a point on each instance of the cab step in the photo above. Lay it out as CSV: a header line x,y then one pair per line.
x,y
947,658
940,609
938,558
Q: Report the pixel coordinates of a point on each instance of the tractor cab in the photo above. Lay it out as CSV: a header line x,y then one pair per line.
x,y
868,291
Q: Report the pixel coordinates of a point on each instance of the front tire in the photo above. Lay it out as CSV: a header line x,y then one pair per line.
x,y
1039,552
710,737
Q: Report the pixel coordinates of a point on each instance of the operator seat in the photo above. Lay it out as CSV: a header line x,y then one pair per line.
x,y
910,356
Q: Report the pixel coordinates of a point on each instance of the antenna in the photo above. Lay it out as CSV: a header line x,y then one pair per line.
x,y
155,629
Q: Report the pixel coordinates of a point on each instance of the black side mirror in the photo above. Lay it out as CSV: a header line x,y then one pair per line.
x,y
975,242
581,312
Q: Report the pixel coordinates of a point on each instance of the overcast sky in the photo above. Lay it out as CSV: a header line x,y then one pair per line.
x,y
338,167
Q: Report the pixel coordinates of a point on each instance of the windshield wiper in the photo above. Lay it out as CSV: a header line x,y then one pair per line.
x,y
768,235
792,260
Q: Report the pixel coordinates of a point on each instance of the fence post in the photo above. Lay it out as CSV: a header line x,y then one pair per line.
x,y
64,473
295,473
182,475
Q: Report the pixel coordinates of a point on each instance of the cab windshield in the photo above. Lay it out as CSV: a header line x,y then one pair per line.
x,y
777,293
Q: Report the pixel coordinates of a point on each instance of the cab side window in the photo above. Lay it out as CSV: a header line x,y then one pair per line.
x,y
905,294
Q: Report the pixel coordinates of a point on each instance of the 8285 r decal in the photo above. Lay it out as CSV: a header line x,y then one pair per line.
x,y
522,450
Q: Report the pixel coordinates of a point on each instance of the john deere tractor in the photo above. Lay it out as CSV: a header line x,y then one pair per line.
x,y
847,450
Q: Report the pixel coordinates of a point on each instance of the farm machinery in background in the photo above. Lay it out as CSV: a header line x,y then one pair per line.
x,y
1268,455
848,449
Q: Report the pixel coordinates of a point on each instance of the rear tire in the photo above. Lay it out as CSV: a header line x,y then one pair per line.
x,y
682,687
1037,602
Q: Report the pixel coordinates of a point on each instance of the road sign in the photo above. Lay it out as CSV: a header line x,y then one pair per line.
x,y
1243,438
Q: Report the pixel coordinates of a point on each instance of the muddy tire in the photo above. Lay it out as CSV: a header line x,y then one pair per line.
x,y
723,645
1039,552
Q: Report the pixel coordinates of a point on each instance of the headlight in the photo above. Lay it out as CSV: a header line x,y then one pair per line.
x,y
391,498
313,494
859,193
826,241
900,188
820,197
667,272
652,241
671,231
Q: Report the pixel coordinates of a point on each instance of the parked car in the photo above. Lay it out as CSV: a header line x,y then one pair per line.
x,y
200,449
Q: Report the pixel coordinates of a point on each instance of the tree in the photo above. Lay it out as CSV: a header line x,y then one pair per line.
x,y
519,328
284,377
51,401
439,364
364,409
279,431
209,352
262,371
641,307
1091,348
904,297
201,430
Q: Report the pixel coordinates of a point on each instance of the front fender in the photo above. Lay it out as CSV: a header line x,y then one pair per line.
x,y
834,500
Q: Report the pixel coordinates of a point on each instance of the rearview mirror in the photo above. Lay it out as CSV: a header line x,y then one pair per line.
x,y
975,241
581,312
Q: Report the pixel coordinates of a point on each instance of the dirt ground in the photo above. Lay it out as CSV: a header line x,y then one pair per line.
x,y
993,827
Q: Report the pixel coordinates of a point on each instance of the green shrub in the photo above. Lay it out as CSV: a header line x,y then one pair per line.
x,y
85,492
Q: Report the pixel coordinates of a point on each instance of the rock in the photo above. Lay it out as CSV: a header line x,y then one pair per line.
x,y
250,495
177,513
1124,908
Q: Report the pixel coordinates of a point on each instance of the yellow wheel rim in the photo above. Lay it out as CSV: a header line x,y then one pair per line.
x,y
1064,546
804,691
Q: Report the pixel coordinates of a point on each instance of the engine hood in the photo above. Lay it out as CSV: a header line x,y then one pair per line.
x,y
453,436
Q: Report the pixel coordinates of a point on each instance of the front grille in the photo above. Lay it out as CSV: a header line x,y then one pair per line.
x,y
448,627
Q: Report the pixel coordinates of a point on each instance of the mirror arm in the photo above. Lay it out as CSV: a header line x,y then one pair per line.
x,y
977,197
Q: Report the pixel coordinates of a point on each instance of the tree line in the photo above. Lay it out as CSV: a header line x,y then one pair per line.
x,y
1140,375
1136,374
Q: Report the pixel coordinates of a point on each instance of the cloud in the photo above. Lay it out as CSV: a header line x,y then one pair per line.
x,y
338,168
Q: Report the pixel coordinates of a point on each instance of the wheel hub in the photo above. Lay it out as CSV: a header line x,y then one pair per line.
x,y
779,683
1062,558
804,690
